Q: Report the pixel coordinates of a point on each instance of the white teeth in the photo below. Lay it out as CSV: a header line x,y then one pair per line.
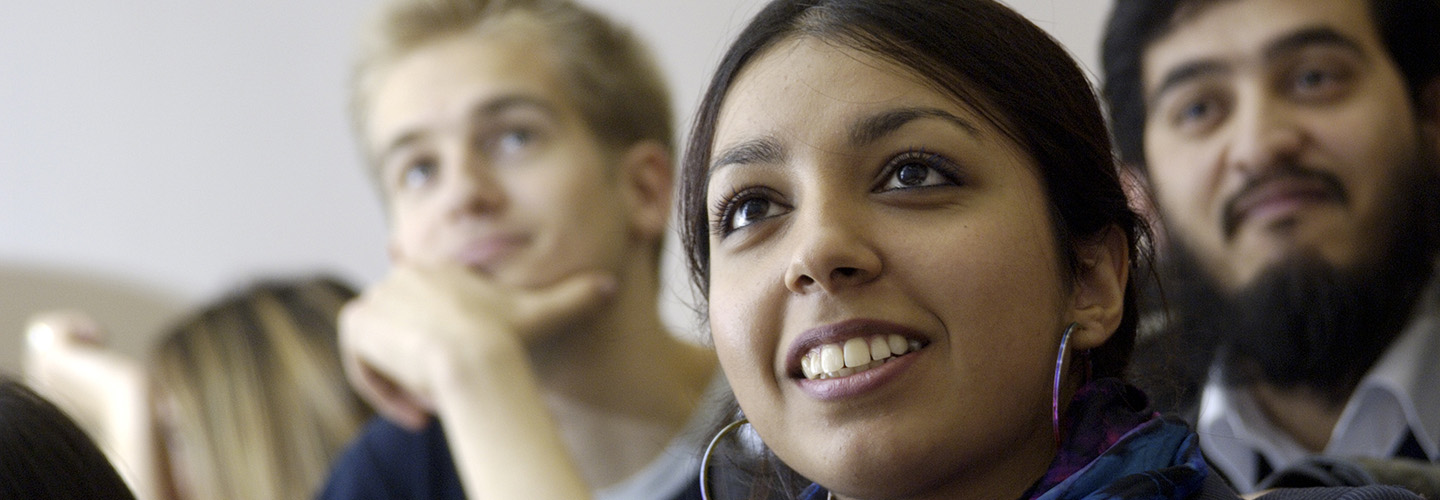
x,y
879,347
854,356
898,345
832,358
857,352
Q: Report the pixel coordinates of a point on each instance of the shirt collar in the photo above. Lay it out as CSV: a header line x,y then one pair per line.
x,y
1400,393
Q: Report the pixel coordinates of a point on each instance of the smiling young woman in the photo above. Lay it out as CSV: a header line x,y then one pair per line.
x,y
919,260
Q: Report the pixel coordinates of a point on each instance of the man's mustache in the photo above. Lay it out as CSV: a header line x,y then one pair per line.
x,y
1324,184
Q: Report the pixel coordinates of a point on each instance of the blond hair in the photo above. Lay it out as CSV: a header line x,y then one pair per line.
x,y
608,73
260,402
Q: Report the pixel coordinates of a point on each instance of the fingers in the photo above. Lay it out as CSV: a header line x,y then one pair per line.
x,y
365,352
538,313
52,329
408,334
65,357
392,402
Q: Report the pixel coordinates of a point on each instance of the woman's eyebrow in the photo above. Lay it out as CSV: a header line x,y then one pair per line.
x,y
873,128
761,150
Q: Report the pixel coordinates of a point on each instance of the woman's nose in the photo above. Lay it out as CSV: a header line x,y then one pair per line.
x,y
832,252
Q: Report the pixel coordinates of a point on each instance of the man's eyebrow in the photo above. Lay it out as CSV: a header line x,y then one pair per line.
x,y
873,128
762,150
481,111
1186,73
1310,36
507,102
401,142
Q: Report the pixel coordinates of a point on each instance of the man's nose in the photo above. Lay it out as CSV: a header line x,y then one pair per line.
x,y
474,186
1265,135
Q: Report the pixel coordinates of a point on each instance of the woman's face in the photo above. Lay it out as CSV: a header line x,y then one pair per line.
x,y
861,218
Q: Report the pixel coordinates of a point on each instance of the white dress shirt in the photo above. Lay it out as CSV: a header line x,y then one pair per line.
x,y
1399,395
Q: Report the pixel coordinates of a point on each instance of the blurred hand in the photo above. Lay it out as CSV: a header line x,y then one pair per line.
x,y
415,328
66,361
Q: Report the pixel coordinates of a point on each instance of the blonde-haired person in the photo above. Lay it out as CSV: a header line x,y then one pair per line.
x,y
245,398
523,150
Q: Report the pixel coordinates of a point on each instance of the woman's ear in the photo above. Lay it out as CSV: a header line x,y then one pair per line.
x,y
646,180
1099,295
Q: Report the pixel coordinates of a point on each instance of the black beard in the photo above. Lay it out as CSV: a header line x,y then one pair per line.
x,y
1302,323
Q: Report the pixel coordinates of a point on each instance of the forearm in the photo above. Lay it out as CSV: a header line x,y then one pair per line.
x,y
504,440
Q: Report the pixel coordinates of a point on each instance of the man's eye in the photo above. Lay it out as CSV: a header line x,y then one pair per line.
x,y
1195,111
1198,113
1318,83
515,140
418,174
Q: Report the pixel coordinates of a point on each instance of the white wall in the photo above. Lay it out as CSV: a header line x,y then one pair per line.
x,y
154,153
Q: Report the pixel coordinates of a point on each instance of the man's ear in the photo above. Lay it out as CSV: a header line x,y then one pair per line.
x,y
647,179
1098,300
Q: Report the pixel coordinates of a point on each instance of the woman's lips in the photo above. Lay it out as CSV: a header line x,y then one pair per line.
x,y
838,358
859,383
858,354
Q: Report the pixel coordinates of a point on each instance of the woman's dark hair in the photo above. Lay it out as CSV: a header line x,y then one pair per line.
x,y
45,456
986,56
1410,30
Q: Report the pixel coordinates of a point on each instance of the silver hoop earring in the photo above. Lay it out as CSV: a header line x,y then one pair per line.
x,y
710,450
1055,385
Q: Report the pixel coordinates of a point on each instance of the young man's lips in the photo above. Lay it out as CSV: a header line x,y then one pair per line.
x,y
484,253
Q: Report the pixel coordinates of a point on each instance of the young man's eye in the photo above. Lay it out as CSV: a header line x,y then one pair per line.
x,y
418,174
916,170
515,140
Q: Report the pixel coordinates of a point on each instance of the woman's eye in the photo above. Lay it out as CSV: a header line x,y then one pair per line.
x,y
748,211
743,209
915,172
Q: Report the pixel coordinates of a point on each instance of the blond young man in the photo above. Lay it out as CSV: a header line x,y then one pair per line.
x,y
1291,146
523,149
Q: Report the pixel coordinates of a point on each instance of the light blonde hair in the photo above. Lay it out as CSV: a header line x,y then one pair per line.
x,y
254,381
610,76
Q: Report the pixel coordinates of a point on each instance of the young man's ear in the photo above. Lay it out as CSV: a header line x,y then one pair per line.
x,y
1099,295
647,182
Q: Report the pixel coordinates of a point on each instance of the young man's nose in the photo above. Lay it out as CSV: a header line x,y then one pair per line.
x,y
473,186
831,251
